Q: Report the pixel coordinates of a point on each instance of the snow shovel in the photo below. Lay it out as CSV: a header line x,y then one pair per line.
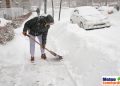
x,y
53,53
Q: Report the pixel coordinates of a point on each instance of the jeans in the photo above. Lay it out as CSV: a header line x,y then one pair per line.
x,y
32,45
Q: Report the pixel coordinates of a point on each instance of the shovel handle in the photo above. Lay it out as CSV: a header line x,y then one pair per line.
x,y
53,53
39,43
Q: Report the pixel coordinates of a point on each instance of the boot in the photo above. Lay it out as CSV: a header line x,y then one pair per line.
x,y
43,56
32,59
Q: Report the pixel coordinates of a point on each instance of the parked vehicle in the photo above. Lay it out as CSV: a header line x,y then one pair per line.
x,y
88,17
106,9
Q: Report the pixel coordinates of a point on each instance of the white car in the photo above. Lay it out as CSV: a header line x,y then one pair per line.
x,y
88,17
107,9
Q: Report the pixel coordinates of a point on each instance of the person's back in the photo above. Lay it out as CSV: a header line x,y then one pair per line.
x,y
36,26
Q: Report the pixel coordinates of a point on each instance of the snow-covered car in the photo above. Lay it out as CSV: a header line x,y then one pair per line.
x,y
88,17
106,9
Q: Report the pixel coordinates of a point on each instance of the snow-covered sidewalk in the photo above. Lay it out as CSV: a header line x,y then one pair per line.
x,y
44,73
17,70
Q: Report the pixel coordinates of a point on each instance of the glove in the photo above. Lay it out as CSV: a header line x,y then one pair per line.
x,y
25,33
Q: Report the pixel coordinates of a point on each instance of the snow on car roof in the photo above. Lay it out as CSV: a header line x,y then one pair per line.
x,y
87,10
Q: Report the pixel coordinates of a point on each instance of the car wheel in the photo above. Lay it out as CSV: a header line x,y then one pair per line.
x,y
71,20
81,25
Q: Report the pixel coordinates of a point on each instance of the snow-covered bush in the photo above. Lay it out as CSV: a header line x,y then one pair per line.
x,y
6,33
17,22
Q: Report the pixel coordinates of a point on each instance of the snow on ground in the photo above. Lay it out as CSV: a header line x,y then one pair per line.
x,y
88,55
16,69
3,21
93,54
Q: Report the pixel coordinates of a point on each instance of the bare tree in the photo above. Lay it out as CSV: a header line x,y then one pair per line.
x,y
45,6
60,9
69,3
52,8
8,3
106,2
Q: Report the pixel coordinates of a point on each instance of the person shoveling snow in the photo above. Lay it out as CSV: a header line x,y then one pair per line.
x,y
38,27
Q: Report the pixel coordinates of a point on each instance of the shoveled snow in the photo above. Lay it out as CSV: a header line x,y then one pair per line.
x,y
3,21
88,55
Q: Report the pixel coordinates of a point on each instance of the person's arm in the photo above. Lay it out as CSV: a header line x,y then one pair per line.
x,y
28,25
44,38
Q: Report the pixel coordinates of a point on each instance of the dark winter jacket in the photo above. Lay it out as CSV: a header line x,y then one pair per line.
x,y
37,26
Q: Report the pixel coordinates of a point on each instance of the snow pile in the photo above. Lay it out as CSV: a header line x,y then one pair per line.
x,y
14,52
90,55
3,21
6,31
7,28
115,17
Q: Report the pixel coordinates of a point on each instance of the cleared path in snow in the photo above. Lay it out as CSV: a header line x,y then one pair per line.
x,y
45,73
16,69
